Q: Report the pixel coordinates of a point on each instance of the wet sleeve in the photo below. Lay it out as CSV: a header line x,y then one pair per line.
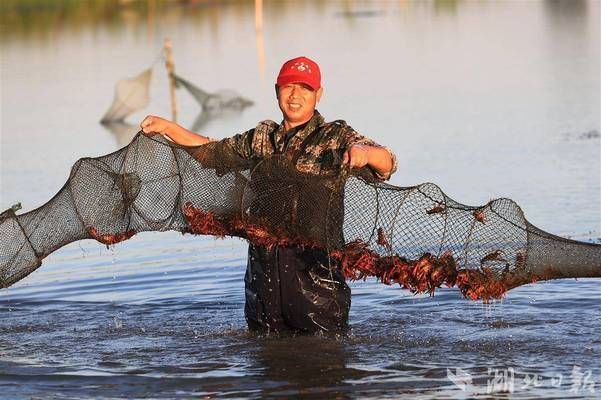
x,y
352,137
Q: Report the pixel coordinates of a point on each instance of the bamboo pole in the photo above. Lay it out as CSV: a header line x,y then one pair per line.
x,y
171,73
150,17
259,37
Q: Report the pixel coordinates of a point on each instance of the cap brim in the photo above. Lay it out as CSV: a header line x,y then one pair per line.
x,y
284,80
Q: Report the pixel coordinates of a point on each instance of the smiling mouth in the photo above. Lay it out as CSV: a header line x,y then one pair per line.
x,y
294,106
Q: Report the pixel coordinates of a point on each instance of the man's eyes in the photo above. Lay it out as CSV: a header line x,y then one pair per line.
x,y
302,87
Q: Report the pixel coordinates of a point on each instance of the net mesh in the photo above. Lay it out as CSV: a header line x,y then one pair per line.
x,y
414,236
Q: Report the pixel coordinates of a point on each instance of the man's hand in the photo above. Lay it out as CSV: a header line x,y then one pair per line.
x,y
377,158
356,156
152,125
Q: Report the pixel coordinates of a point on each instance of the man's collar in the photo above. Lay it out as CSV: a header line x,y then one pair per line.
x,y
295,136
315,121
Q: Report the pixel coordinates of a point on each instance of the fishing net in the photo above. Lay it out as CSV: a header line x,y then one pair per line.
x,y
131,95
217,102
220,104
414,236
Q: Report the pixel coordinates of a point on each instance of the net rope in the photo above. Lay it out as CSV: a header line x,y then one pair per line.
x,y
414,236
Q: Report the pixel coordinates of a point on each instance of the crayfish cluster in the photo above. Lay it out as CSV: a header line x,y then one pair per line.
x,y
425,274
256,230
357,261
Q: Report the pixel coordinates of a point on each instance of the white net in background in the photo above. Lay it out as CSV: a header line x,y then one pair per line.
x,y
131,95
218,101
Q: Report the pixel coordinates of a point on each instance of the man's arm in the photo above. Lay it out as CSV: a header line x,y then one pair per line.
x,y
152,125
377,158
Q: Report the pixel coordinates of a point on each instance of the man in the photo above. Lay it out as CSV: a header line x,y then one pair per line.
x,y
289,288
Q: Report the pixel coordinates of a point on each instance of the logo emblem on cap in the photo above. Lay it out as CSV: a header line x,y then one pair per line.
x,y
302,67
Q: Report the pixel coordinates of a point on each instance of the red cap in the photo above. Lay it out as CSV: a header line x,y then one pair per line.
x,y
300,70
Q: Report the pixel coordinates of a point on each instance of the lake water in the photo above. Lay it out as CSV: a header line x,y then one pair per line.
x,y
486,99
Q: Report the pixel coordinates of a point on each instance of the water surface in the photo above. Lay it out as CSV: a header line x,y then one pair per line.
x,y
486,99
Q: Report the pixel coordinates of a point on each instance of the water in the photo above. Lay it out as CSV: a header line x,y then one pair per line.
x,y
486,99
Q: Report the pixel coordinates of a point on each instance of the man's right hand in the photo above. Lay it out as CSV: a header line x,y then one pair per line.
x,y
152,125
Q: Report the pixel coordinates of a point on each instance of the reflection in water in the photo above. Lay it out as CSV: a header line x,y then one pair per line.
x,y
448,6
566,9
39,19
567,18
360,13
124,132
310,364
150,20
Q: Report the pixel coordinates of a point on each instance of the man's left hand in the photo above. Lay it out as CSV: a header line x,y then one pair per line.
x,y
356,156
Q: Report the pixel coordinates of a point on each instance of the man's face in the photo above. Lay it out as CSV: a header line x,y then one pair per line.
x,y
297,102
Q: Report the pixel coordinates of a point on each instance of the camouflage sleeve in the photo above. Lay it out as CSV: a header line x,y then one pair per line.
x,y
254,143
241,143
352,137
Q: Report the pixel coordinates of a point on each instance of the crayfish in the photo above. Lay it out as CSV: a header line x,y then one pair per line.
x,y
109,239
382,240
436,210
479,216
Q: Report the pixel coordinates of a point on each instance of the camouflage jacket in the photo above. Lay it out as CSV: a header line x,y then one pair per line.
x,y
315,147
